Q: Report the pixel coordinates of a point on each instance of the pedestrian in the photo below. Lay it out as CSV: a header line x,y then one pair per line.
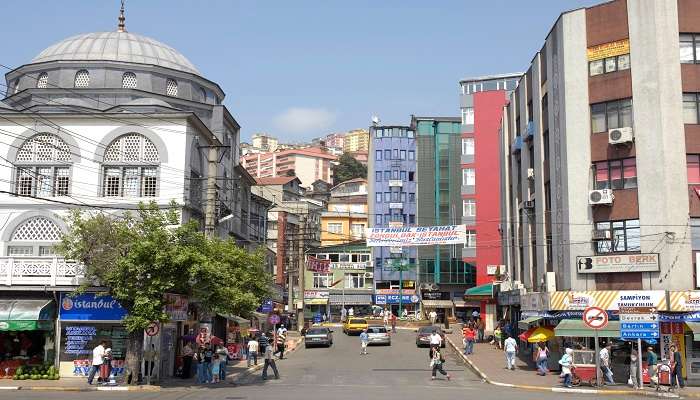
x,y
541,358
393,322
480,328
567,365
281,342
106,367
364,339
435,339
385,317
343,314
208,358
223,354
215,368
187,355
510,347
269,362
652,361
98,354
404,314
253,347
676,368
199,357
497,337
351,312
433,317
604,357
262,343
436,362
634,369
468,335
475,313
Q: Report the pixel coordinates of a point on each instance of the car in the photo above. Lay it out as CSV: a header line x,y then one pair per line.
x,y
423,335
378,335
318,336
354,326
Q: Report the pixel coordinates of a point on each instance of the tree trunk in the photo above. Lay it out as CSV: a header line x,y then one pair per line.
x,y
134,353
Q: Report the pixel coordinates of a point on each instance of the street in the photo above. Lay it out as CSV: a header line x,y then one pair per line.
x,y
340,373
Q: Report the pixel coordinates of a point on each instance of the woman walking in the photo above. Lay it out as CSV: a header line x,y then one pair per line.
x,y
436,362
541,358
567,364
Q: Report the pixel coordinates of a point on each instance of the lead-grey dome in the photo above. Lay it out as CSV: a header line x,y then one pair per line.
x,y
116,46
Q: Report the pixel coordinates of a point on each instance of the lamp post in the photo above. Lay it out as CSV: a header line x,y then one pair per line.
x,y
401,265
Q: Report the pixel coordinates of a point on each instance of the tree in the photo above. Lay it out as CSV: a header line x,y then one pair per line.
x,y
348,168
139,258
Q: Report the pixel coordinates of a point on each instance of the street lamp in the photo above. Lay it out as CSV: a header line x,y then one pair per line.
x,y
401,265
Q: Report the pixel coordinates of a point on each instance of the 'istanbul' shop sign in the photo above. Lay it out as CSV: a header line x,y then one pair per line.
x,y
90,307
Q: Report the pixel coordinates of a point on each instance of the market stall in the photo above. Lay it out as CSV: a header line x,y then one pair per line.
x,y
26,334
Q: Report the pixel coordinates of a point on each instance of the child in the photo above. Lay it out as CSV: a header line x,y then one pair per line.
x,y
215,368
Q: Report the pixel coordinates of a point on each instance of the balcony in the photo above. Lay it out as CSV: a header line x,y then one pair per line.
x,y
39,271
517,144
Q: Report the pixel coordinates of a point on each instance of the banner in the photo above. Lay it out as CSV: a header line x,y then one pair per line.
x,y
176,306
688,300
416,236
611,49
90,307
317,265
608,299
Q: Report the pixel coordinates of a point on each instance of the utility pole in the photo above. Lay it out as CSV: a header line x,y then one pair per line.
x,y
301,270
210,210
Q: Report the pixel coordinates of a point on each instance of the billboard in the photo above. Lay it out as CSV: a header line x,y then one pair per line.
x,y
416,236
317,265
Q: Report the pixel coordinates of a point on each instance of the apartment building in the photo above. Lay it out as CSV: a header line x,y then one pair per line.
x,y
308,164
346,218
356,141
264,142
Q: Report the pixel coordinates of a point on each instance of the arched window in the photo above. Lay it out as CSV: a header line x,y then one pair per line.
x,y
42,81
129,80
171,87
82,79
130,167
43,167
34,237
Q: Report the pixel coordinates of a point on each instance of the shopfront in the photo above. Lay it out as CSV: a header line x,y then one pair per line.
x,y
26,333
84,321
681,326
390,299
316,305
359,300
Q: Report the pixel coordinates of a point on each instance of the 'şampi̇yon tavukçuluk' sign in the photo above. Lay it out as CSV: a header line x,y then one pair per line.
x,y
416,236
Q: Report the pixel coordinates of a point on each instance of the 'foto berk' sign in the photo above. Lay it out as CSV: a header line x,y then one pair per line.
x,y
618,263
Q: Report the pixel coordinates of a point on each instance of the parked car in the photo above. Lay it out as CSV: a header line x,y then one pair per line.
x,y
378,335
354,326
423,335
318,336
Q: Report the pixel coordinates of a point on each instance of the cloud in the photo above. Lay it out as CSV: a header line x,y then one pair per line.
x,y
304,120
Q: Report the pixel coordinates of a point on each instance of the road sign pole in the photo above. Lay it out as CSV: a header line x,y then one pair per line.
x,y
597,359
639,360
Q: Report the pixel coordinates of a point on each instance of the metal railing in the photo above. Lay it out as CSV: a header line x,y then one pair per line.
x,y
39,271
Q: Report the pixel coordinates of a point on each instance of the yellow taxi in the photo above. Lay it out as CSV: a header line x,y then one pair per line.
x,y
354,326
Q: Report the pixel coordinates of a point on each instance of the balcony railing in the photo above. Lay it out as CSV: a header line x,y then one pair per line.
x,y
39,271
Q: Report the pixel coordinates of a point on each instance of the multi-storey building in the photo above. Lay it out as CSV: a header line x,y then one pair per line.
x,y
481,102
334,140
308,164
356,141
346,218
392,203
263,142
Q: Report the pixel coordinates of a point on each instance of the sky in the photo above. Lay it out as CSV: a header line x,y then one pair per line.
x,y
302,69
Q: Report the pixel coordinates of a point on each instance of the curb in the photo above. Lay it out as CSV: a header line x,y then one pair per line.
x,y
486,379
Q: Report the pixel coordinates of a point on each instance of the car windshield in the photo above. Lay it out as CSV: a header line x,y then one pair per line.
x,y
427,330
358,321
376,329
317,331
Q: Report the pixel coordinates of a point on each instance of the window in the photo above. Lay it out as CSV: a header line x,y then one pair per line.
x,y
355,281
387,175
395,174
468,146
616,174
358,230
395,196
378,155
38,231
468,177
395,156
610,64
203,94
82,79
41,167
403,175
693,166
130,167
42,81
471,239
378,219
378,176
689,46
378,133
468,116
411,134
387,197
411,197
610,115
335,227
624,236
403,154
171,87
691,110
411,218
411,155
469,207
411,176
322,281
378,197
129,80
387,154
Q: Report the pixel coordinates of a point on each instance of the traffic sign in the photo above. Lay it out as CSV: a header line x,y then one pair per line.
x,y
152,329
273,319
639,323
595,317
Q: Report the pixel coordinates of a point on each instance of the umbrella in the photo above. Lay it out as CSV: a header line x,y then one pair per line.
x,y
541,334
526,335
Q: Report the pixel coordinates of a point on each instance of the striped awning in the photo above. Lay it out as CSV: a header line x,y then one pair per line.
x,y
351,299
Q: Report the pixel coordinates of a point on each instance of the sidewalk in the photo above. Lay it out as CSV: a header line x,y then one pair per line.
x,y
234,370
490,365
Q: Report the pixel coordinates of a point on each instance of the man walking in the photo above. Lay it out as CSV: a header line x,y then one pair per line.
x,y
253,347
98,354
385,317
435,339
433,317
393,322
281,341
676,368
364,339
480,327
270,362
605,363
652,361
510,347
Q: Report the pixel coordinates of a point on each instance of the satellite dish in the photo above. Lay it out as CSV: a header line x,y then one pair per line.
x,y
375,120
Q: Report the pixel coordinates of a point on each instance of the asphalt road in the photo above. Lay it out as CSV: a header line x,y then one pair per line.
x,y
399,371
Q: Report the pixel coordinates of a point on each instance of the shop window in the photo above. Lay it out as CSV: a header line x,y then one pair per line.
x,y
616,174
624,236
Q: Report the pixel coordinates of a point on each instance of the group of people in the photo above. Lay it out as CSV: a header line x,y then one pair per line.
x,y
472,332
269,346
211,362
389,317
101,363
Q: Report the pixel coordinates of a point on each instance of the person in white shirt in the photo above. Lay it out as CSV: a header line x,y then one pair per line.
x,y
98,354
435,339
510,347
605,363
253,351
433,317
351,312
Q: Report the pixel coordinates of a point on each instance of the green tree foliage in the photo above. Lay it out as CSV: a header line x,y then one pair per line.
x,y
348,168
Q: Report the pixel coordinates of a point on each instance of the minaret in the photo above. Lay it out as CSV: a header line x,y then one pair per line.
x,y
122,26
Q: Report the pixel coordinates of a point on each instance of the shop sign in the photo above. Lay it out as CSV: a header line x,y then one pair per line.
x,y
90,307
607,299
688,300
509,297
610,49
349,265
416,236
648,262
410,292
266,306
681,318
317,265
381,299
434,295
316,294
176,306
559,314
639,323
534,301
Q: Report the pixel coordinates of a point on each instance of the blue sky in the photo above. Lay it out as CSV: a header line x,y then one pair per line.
x,y
301,69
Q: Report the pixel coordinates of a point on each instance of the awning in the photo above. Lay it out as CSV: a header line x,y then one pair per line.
x,y
481,290
437,303
528,322
26,315
576,328
315,301
695,327
464,303
351,299
240,320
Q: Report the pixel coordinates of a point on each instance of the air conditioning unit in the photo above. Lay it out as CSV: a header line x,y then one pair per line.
x,y
529,204
601,234
530,173
620,135
369,275
604,196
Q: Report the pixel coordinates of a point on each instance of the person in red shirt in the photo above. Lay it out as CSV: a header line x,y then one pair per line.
x,y
393,322
469,335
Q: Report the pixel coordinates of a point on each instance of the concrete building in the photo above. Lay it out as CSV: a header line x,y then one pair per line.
x,y
333,140
392,202
346,218
308,164
264,142
356,140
